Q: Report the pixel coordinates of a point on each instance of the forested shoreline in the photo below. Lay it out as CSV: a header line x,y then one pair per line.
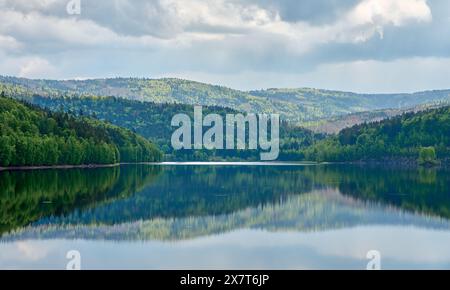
x,y
410,139
31,136
423,137
73,131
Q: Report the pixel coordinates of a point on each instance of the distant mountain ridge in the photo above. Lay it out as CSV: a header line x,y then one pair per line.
x,y
335,124
295,105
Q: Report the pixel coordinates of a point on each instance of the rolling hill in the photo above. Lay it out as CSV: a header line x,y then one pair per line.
x,y
146,107
404,136
153,121
295,105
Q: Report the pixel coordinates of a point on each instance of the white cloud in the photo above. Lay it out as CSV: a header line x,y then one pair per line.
x,y
35,68
30,251
27,66
42,30
358,25
210,39
368,18
375,14
9,43
390,12
196,19
29,6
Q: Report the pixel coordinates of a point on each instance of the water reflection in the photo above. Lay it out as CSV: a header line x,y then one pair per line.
x,y
28,196
229,209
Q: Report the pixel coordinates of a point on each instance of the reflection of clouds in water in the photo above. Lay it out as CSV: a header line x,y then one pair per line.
x,y
400,247
319,210
399,243
291,235
24,250
19,254
31,251
309,226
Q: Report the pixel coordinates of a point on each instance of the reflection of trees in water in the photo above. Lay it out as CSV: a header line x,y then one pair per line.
x,y
187,201
417,190
319,210
27,196
198,191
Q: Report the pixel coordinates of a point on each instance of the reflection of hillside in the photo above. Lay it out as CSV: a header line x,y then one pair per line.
x,y
185,202
203,191
319,210
417,190
26,197
197,191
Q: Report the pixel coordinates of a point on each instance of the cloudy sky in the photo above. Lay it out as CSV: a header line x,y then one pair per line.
x,y
356,45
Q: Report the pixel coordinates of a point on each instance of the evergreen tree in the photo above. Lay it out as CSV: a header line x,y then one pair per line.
x,y
31,136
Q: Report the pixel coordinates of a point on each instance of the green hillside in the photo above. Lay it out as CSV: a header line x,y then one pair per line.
x,y
30,136
330,103
153,121
425,134
335,124
295,105
146,107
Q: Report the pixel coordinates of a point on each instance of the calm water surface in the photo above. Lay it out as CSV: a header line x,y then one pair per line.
x,y
190,216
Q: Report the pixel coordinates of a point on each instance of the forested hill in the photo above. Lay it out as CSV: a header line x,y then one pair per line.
x,y
336,124
30,136
153,121
424,135
295,105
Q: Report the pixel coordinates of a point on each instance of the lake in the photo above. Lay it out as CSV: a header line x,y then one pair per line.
x,y
226,216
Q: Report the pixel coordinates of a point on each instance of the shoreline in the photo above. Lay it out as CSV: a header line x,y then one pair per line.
x,y
192,163
388,163
401,163
48,167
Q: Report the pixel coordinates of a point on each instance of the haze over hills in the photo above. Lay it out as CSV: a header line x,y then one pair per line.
x,y
334,125
295,105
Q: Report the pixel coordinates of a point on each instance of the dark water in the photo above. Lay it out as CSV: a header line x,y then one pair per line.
x,y
233,217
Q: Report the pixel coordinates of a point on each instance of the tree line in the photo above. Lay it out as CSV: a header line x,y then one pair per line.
x,y
423,136
31,136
